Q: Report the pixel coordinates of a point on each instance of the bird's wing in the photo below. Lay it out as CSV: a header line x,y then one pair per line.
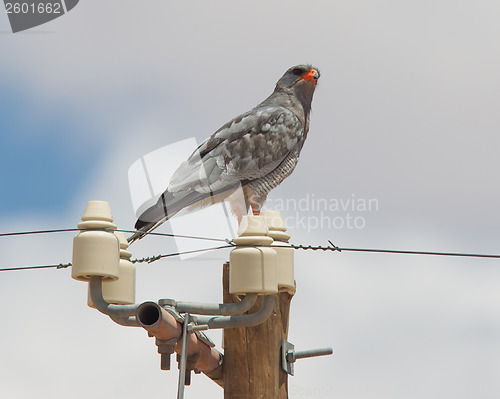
x,y
246,148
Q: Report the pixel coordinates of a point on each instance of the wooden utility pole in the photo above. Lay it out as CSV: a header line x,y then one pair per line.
x,y
252,360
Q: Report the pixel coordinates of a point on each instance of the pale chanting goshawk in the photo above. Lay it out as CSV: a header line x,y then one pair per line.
x,y
255,151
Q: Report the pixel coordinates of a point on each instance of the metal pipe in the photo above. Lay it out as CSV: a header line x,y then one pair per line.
x,y
223,309
130,321
158,321
95,289
164,326
241,320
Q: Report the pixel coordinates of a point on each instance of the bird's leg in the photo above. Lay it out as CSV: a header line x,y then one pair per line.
x,y
255,210
239,215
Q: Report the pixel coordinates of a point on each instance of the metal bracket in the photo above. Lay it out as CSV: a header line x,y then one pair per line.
x,y
204,338
289,356
169,306
286,348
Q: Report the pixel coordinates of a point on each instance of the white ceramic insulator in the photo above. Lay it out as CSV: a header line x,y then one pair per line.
x,y
284,254
252,267
96,252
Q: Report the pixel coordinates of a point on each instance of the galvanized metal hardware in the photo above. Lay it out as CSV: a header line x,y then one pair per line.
x,y
217,316
166,302
246,320
202,337
169,305
190,366
289,356
165,349
183,359
222,309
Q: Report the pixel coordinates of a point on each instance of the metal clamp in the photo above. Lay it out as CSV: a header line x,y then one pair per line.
x,y
169,306
289,356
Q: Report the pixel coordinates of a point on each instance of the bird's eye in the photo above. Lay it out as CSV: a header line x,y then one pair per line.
x,y
298,71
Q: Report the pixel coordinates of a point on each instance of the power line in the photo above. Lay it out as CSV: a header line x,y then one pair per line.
x,y
20,233
142,260
152,259
332,247
392,251
153,233
59,266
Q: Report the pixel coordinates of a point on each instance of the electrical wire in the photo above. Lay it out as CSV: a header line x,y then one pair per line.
x,y
333,247
20,233
230,244
392,251
154,233
142,260
59,266
152,259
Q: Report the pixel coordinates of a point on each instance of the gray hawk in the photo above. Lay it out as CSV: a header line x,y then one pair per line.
x,y
255,151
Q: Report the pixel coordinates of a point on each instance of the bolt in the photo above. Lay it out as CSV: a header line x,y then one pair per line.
x,y
292,356
165,349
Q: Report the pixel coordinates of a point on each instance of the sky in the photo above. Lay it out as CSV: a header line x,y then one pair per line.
x,y
402,153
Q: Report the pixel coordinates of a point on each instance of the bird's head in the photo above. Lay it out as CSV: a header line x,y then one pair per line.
x,y
300,80
299,76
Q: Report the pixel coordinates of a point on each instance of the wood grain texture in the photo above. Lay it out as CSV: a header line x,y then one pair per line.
x,y
252,359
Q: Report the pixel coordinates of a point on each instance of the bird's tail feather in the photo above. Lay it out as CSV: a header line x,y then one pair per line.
x,y
166,207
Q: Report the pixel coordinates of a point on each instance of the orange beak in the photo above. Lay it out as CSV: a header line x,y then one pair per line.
x,y
312,75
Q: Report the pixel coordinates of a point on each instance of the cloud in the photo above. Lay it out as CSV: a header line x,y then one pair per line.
x,y
404,113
